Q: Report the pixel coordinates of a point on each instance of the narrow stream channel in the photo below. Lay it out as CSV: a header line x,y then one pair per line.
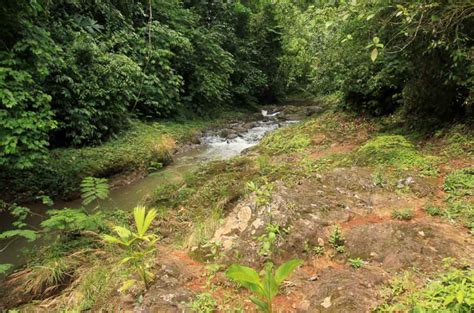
x,y
213,147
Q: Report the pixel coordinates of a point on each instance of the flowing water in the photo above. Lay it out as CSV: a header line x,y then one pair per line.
x,y
213,147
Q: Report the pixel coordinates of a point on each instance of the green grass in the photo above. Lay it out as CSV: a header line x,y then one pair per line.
x,y
286,140
460,182
460,188
395,151
403,215
451,291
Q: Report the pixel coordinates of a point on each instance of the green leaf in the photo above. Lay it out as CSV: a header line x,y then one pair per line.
x,y
127,285
28,234
112,239
246,276
123,232
286,269
374,54
449,299
5,267
260,304
93,189
460,296
269,283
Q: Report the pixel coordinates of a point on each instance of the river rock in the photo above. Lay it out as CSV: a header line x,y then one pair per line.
x,y
228,134
313,110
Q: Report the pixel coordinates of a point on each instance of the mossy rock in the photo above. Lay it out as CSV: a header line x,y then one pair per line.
x,y
396,151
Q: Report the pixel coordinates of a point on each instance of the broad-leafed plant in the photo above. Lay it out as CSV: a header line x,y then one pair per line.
x,y
266,287
138,245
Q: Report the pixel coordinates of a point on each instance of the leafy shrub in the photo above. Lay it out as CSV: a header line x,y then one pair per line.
x,y
25,116
267,287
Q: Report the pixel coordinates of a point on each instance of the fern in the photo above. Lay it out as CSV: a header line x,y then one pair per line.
x,y
94,189
72,220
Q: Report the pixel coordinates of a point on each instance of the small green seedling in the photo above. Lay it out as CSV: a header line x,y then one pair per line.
x,y
272,231
318,250
204,303
402,215
356,263
137,245
336,239
434,210
266,287
263,193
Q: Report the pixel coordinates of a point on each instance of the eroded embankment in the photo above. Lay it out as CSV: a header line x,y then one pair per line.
x,y
390,198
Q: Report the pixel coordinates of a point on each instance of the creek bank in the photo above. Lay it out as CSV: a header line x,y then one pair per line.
x,y
307,179
131,187
130,157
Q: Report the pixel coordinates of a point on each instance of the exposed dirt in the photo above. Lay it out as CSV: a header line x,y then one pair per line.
x,y
177,281
306,213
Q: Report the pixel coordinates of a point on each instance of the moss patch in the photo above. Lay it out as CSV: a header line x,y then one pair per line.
x,y
286,140
396,151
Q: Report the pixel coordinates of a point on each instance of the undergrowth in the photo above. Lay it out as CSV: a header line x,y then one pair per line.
x,y
450,291
459,186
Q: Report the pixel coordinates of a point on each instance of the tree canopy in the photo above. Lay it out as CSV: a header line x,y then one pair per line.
x,y
73,73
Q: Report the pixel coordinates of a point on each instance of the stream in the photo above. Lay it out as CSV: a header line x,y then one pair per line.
x,y
213,147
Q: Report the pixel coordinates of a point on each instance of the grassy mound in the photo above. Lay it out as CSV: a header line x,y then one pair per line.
x,y
286,140
395,151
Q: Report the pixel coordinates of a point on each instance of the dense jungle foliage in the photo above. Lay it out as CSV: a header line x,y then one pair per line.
x,y
73,73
